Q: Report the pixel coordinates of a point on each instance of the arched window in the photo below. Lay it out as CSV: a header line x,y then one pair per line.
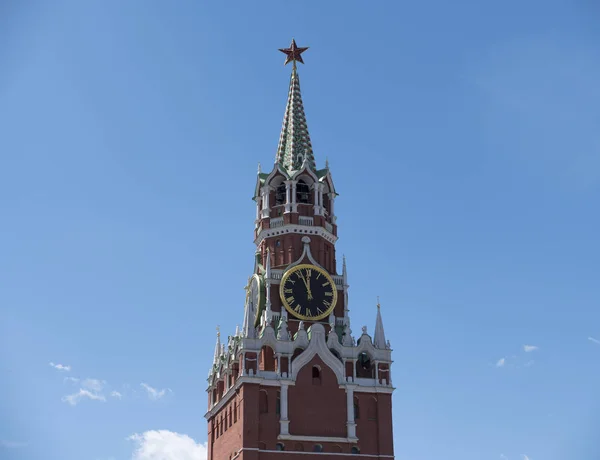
x,y
316,375
280,194
372,409
356,409
363,366
263,402
355,450
279,446
318,448
302,192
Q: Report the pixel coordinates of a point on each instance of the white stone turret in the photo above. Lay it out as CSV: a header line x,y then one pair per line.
x,y
379,337
217,347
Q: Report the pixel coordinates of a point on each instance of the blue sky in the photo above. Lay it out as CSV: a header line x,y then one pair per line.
x,y
462,138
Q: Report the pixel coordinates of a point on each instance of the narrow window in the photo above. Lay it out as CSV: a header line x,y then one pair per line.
x,y
278,404
234,411
355,450
279,446
318,448
263,402
316,375
302,192
280,195
356,409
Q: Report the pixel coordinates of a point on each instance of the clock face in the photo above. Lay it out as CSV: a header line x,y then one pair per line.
x,y
255,297
308,292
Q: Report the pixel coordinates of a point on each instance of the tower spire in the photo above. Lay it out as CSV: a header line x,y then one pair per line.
x,y
294,142
379,337
218,346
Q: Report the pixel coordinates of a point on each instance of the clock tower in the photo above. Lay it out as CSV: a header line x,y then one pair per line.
x,y
294,382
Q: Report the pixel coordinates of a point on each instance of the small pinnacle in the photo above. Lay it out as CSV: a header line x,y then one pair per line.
x,y
218,331
378,305
259,170
326,163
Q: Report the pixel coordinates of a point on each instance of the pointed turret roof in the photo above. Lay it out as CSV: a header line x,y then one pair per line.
x,y
294,142
218,346
379,337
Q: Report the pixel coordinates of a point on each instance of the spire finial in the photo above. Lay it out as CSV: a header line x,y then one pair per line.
x,y
294,146
378,305
326,163
293,53
259,169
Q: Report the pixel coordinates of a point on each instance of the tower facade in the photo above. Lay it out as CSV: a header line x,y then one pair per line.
x,y
294,381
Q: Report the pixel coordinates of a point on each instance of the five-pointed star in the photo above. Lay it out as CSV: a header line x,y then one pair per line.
x,y
293,53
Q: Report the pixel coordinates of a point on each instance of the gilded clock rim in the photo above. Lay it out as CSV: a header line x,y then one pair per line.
x,y
290,310
261,297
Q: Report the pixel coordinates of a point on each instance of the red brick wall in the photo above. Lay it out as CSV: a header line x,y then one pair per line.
x,y
317,410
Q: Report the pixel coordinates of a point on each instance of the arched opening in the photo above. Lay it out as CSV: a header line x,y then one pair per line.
x,y
280,194
263,402
336,354
279,446
297,352
355,450
326,205
316,375
356,408
318,448
372,409
364,369
302,192
267,359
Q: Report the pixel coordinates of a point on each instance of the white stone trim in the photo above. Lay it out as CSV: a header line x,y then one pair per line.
x,y
292,437
295,228
287,452
318,346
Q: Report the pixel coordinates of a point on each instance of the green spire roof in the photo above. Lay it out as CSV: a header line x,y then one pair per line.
x,y
294,143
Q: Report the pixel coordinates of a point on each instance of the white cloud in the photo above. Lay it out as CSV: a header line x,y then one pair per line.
x,y
12,444
75,398
596,341
93,384
60,367
501,362
530,348
525,457
167,445
153,393
116,394
71,379
503,457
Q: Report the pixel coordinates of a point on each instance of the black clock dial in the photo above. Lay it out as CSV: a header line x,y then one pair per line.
x,y
308,292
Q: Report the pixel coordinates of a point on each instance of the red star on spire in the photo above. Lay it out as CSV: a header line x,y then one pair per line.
x,y
293,53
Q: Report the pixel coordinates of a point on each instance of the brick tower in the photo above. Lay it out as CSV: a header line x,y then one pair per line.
x,y
294,382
